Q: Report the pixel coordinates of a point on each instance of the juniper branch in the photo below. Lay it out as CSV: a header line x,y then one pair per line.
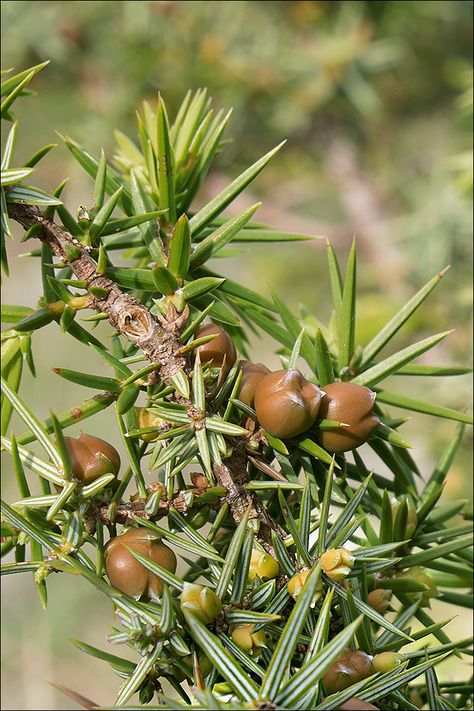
x,y
126,513
158,341
125,313
232,474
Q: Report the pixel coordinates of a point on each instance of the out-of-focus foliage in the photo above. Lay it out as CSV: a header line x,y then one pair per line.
x,y
278,63
392,79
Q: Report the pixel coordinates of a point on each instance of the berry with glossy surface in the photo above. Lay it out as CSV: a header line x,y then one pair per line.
x,y
351,404
286,403
91,457
220,352
126,573
350,668
252,376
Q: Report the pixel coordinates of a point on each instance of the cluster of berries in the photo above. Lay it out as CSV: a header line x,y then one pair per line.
x,y
287,404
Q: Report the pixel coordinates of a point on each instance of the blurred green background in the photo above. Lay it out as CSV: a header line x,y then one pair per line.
x,y
375,99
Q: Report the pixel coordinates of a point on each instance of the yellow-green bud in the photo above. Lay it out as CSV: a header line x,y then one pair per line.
x,y
412,518
205,666
421,576
223,687
147,419
386,661
263,565
337,563
379,600
201,601
252,642
297,582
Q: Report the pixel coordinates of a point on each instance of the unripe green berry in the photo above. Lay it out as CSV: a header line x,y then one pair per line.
x,y
337,563
412,518
205,666
286,403
386,661
146,692
201,601
198,518
126,573
147,419
263,565
91,457
421,576
351,404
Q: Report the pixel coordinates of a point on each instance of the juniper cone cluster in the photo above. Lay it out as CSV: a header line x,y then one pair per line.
x,y
251,556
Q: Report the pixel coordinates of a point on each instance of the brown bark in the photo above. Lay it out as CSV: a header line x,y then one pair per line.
x,y
232,474
160,343
125,513
134,321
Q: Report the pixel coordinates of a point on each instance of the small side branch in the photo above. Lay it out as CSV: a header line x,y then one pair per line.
x,y
125,312
126,513
232,474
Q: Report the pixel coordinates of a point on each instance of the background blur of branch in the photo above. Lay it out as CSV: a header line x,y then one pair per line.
x,y
375,99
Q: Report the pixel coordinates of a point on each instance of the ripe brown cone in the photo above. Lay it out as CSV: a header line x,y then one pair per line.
x,y
351,404
286,403
252,376
91,457
356,704
126,573
347,670
218,352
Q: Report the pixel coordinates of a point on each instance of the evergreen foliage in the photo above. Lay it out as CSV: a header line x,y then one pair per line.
x,y
303,576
